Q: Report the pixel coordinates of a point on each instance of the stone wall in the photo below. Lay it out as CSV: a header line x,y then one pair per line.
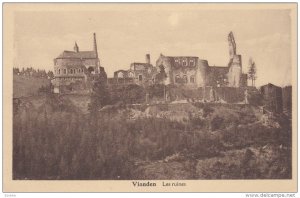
x,y
273,97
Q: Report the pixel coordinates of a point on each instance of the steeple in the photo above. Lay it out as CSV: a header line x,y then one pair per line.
x,y
76,48
95,45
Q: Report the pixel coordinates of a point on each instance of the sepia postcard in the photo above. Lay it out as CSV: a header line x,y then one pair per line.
x,y
150,97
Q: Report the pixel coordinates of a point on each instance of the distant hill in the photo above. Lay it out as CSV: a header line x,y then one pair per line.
x,y
27,85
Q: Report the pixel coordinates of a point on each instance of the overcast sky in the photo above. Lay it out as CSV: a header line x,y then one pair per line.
x,y
125,36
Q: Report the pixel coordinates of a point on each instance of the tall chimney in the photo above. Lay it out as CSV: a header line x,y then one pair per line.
x,y
95,45
148,58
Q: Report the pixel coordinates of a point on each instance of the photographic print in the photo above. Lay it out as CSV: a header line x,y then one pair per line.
x,y
158,97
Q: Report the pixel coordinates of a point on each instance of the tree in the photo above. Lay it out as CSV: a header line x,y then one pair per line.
x,y
161,76
252,71
50,74
100,95
133,94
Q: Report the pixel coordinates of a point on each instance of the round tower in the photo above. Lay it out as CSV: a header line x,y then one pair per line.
x,y
148,58
201,73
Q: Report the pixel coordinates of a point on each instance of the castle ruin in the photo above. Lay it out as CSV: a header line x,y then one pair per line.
x,y
82,67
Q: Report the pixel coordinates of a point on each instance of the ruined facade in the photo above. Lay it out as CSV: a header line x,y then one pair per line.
x,y
194,72
188,70
139,73
77,67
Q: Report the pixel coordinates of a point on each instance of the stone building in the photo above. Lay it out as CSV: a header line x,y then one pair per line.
x,y
193,72
77,67
139,73
272,96
187,70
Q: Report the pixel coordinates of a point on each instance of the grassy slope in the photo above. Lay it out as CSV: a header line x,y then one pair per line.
x,y
27,86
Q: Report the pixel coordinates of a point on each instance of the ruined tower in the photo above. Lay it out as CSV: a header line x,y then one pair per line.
x,y
235,63
232,45
76,48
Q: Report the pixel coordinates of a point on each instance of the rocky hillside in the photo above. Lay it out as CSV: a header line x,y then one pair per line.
x,y
55,138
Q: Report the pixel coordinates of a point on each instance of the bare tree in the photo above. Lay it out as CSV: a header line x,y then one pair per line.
x,y
252,71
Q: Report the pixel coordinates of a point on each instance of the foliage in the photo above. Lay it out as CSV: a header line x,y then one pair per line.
x,y
161,76
100,95
31,72
56,141
252,71
156,91
46,89
127,94
28,86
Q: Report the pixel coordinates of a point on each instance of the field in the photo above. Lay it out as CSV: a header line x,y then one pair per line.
x,y
55,138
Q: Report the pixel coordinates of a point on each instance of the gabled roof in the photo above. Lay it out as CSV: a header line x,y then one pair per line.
x,y
80,54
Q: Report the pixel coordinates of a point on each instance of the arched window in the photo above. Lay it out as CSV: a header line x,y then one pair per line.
x,y
91,69
58,71
131,74
120,75
185,79
192,62
177,79
65,71
184,62
192,79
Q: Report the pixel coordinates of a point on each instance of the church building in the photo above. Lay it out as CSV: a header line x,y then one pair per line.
x,y
77,67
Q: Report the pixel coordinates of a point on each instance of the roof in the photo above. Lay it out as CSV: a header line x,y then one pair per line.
x,y
269,85
181,56
137,63
80,54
